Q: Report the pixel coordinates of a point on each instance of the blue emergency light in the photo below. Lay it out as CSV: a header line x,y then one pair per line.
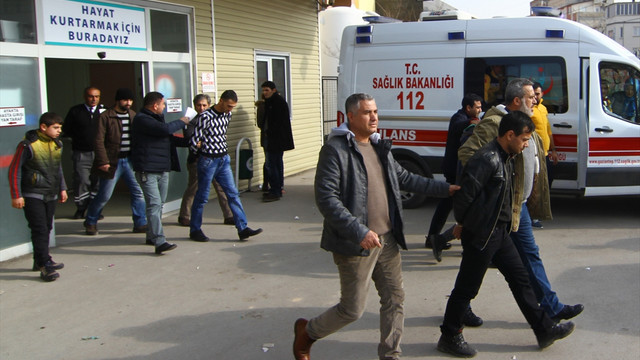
x,y
363,39
558,34
458,35
364,29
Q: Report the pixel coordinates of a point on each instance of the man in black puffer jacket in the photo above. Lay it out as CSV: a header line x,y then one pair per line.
x,y
153,155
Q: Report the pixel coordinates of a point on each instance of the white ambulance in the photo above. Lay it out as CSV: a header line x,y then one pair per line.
x,y
419,72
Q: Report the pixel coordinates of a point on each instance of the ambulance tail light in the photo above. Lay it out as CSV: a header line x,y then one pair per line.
x,y
555,34
457,35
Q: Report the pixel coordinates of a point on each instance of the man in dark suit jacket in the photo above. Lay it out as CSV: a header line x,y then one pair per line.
x,y
79,125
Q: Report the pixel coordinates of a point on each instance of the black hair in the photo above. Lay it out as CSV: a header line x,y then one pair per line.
x,y
470,100
151,98
229,95
517,121
49,118
270,84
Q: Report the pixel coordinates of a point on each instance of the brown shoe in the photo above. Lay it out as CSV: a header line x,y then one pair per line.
x,y
90,229
184,221
302,342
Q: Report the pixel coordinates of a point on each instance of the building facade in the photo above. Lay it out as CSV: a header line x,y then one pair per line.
x,y
50,50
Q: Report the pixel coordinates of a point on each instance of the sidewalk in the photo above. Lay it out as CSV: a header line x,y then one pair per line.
x,y
234,300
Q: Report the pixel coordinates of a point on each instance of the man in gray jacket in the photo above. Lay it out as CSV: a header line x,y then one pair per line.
x,y
357,189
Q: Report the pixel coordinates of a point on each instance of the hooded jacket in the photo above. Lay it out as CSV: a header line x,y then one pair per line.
x,y
341,191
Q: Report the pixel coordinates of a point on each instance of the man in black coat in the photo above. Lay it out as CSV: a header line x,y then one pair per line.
x,y
79,125
279,138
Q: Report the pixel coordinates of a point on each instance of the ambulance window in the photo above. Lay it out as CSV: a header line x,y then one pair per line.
x,y
619,87
488,77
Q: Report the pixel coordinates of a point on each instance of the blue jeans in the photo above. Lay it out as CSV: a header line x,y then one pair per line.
x,y
155,187
530,255
220,170
105,190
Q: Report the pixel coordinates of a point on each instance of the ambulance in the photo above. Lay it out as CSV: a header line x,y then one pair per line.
x,y
418,73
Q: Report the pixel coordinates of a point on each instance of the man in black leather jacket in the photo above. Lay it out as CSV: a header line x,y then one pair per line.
x,y
357,189
483,208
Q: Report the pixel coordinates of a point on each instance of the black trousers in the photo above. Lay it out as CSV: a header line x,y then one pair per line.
x,y
39,215
502,251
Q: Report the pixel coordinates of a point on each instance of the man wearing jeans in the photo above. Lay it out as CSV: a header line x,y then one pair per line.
x,y
357,189
209,140
111,162
154,155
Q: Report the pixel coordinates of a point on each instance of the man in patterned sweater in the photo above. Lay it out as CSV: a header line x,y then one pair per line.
x,y
209,141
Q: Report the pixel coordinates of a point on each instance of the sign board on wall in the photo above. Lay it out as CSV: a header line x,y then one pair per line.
x,y
12,116
208,83
174,105
94,24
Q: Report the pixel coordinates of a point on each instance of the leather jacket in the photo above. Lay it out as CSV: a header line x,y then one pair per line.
x,y
484,184
341,191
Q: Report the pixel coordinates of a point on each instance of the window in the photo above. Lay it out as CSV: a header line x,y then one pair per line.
x,y
636,31
621,32
488,77
17,21
169,31
276,69
619,87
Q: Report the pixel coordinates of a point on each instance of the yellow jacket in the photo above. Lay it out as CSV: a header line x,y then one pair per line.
x,y
541,122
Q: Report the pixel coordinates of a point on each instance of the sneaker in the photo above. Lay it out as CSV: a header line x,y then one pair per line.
x,y
139,229
198,235
471,319
52,264
455,345
90,229
556,332
165,246
248,232
536,224
48,273
269,197
568,312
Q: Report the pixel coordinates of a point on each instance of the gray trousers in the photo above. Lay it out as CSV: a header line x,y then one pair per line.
x,y
85,185
384,267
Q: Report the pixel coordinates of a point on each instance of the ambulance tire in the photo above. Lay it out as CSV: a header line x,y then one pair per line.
x,y
412,200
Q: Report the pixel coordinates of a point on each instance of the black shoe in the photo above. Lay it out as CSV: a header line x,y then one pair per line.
x,y
455,345
438,243
79,214
248,232
165,247
556,332
269,197
139,229
52,264
48,273
471,319
101,217
568,312
149,242
198,235
427,244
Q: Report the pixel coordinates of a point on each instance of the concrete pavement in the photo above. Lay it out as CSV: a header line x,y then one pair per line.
x,y
234,300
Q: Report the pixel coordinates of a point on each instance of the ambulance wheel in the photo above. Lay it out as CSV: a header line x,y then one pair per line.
x,y
412,200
